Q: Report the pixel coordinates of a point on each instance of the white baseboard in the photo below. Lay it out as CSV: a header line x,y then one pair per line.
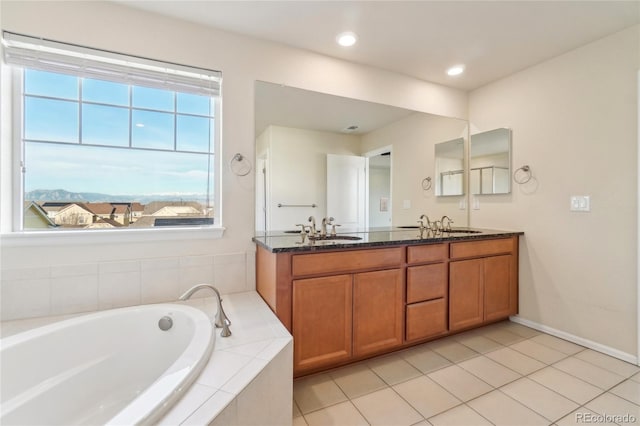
x,y
624,356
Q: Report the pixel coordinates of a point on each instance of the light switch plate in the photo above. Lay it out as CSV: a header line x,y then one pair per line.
x,y
580,203
406,204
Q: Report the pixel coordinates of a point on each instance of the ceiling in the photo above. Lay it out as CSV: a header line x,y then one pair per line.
x,y
493,39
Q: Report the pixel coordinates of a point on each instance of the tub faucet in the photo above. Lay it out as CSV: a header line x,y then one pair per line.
x,y
221,320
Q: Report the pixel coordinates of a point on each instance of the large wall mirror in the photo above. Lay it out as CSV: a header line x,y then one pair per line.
x,y
362,163
490,162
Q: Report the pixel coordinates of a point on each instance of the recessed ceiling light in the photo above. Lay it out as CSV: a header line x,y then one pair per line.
x,y
456,70
346,39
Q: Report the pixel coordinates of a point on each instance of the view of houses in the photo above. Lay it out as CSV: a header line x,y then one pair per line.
x,y
95,215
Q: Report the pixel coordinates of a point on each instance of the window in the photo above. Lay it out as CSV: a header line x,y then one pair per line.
x,y
113,142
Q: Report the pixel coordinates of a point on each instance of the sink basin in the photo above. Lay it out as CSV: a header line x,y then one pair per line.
x,y
463,231
336,238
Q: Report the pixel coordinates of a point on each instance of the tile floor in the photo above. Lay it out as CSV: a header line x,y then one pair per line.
x,y
501,374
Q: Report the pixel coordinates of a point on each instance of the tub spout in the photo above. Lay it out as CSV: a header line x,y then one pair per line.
x,y
221,321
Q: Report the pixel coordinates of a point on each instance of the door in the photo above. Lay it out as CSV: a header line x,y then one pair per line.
x,y
378,315
347,190
466,294
322,321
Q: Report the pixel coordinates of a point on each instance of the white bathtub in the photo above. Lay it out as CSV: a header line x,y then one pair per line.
x,y
113,367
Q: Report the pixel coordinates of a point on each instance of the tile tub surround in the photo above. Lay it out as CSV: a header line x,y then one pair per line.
x,y
502,374
248,377
75,288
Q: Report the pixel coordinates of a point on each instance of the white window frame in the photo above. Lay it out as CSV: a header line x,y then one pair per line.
x,y
17,236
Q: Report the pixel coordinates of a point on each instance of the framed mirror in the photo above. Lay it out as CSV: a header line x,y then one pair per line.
x,y
449,171
360,162
490,162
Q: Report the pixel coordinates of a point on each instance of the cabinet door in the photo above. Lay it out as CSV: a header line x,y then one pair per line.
x,y
378,316
466,294
500,294
322,321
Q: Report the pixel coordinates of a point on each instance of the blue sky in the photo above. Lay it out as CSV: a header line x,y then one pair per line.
x,y
85,167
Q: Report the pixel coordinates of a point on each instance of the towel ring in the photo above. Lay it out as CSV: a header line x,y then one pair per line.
x,y
522,175
426,183
240,165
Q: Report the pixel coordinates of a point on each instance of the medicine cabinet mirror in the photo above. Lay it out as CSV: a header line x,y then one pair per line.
x,y
450,167
490,162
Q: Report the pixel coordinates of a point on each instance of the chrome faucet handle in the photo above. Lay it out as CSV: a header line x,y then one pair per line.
x,y
333,229
435,226
302,228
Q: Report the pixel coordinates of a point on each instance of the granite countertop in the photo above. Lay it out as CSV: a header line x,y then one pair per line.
x,y
283,241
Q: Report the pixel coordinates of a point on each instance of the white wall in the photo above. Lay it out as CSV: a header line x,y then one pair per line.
x,y
379,187
64,276
299,172
413,139
574,121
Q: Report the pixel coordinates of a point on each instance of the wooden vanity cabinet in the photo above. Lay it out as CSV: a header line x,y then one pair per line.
x,y
349,315
483,285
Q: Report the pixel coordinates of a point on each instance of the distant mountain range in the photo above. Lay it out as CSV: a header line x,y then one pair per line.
x,y
61,195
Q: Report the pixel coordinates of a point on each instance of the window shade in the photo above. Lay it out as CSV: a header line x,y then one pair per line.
x,y
47,55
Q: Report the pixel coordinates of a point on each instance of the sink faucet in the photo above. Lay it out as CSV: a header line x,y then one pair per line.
x,y
312,231
446,226
221,321
424,218
325,222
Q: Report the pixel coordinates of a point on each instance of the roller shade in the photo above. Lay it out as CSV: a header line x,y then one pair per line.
x,y
48,55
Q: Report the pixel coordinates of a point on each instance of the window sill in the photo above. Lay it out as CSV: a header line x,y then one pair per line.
x,y
53,238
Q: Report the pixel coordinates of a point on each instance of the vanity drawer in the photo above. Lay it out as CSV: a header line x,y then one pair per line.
x,y
427,253
482,248
426,319
426,282
346,261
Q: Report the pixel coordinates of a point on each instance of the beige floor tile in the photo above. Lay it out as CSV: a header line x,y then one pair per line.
x,y
521,330
316,392
515,360
299,421
558,344
537,351
490,371
607,362
341,414
393,369
503,336
426,396
422,423
480,344
357,380
566,385
461,415
540,399
296,410
385,407
425,360
500,410
636,377
453,350
612,405
581,416
629,390
459,382
590,373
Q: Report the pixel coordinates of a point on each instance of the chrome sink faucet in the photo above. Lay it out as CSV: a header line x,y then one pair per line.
x,y
424,218
221,319
327,221
446,226
312,230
